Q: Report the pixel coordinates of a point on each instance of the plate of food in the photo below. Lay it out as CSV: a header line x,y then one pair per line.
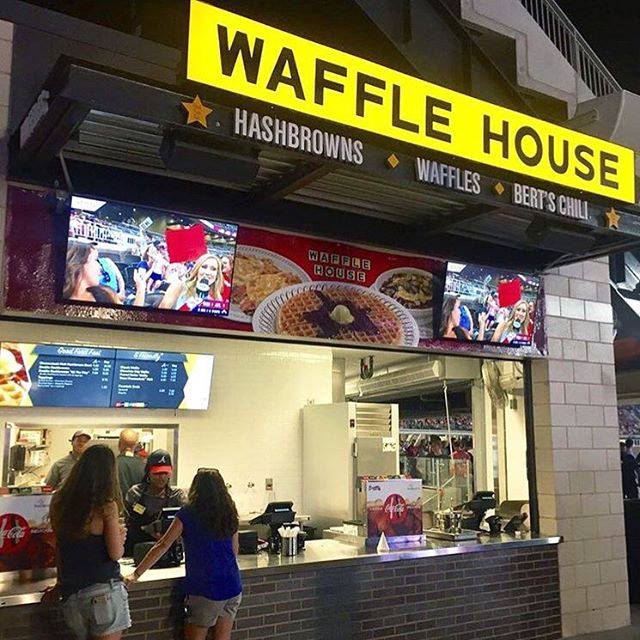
x,y
412,288
14,379
336,311
257,273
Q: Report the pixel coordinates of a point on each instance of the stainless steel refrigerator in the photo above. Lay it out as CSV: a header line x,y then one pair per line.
x,y
342,442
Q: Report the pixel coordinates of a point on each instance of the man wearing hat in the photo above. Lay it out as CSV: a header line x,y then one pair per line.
x,y
144,501
62,468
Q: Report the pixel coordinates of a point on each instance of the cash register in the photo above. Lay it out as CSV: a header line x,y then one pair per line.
x,y
276,515
175,555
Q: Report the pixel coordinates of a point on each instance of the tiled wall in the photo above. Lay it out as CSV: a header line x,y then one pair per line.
x,y
507,594
577,454
253,428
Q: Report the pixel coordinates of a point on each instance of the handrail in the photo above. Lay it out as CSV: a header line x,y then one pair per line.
x,y
575,49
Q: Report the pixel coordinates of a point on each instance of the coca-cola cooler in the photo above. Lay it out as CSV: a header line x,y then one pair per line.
x,y
26,539
340,443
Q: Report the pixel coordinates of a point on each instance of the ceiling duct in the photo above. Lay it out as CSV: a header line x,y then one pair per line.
x,y
545,235
220,165
396,381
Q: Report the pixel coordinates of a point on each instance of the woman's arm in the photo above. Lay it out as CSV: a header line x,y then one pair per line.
x,y
482,325
497,334
140,278
171,296
113,533
235,543
158,550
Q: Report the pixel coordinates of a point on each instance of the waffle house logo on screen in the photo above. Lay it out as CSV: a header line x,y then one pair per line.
x,y
240,55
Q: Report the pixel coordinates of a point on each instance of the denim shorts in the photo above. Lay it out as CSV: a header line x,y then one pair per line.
x,y
203,612
98,610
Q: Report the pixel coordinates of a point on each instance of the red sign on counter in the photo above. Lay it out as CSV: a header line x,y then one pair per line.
x,y
394,507
26,538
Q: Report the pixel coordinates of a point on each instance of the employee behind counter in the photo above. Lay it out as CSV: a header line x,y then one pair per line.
x,y
144,502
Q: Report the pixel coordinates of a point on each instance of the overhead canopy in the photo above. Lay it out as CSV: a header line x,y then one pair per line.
x,y
127,140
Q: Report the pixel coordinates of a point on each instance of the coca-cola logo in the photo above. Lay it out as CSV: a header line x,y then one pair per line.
x,y
396,508
14,533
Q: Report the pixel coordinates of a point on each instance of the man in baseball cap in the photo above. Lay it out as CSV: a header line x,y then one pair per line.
x,y
62,468
144,502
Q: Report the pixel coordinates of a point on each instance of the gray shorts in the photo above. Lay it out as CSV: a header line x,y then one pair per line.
x,y
98,610
203,612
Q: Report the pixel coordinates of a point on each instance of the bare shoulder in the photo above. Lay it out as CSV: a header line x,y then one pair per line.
x,y
110,510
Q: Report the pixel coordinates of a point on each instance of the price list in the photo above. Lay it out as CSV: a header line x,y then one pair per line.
x,y
72,377
148,379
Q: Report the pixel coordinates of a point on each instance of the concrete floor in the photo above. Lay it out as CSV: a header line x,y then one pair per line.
x,y
626,633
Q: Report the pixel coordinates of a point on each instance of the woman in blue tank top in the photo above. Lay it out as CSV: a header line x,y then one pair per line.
x,y
209,528
90,538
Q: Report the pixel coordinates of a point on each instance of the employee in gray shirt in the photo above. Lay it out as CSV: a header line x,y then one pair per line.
x,y
62,468
130,466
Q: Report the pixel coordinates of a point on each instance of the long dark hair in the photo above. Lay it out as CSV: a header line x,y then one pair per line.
x,y
448,306
92,484
212,505
77,256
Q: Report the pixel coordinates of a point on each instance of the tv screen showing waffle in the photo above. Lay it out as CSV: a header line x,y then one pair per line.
x,y
49,375
120,254
489,305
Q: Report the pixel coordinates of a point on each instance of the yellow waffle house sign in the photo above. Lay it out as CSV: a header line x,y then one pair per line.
x,y
234,53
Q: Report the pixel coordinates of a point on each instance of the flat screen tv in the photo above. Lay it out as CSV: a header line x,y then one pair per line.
x,y
120,254
485,304
59,375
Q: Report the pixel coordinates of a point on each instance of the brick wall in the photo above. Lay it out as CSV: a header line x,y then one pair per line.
x,y
577,455
507,594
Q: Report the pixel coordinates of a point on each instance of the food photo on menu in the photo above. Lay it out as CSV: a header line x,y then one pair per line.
x,y
119,254
489,305
300,286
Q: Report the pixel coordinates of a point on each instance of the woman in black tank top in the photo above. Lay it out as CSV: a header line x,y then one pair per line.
x,y
84,517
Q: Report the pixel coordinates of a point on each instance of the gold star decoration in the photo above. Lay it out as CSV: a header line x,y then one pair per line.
x,y
612,218
197,112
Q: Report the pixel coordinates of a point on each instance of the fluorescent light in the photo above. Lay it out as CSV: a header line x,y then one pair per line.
x,y
86,204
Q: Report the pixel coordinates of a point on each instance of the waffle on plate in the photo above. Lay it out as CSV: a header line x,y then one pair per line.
x,y
340,313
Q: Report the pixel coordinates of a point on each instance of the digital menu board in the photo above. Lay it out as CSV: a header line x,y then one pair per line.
x,y
161,380
39,375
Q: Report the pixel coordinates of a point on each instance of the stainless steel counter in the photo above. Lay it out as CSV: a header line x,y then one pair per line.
x,y
318,554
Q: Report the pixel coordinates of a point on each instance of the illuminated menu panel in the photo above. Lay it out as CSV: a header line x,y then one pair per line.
x,y
77,376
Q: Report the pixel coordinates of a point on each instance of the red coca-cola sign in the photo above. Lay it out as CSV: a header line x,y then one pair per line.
x,y
14,533
395,507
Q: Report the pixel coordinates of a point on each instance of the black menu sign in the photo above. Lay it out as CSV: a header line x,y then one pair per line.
x,y
69,376
149,379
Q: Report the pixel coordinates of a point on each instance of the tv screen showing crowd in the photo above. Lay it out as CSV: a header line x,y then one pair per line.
x,y
119,254
488,305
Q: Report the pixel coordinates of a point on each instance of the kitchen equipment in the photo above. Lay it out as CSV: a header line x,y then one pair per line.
x,y
514,525
290,546
275,515
475,510
341,442
495,525
248,542
449,521
463,535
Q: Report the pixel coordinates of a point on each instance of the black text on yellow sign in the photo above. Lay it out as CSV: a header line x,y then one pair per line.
x,y
240,55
